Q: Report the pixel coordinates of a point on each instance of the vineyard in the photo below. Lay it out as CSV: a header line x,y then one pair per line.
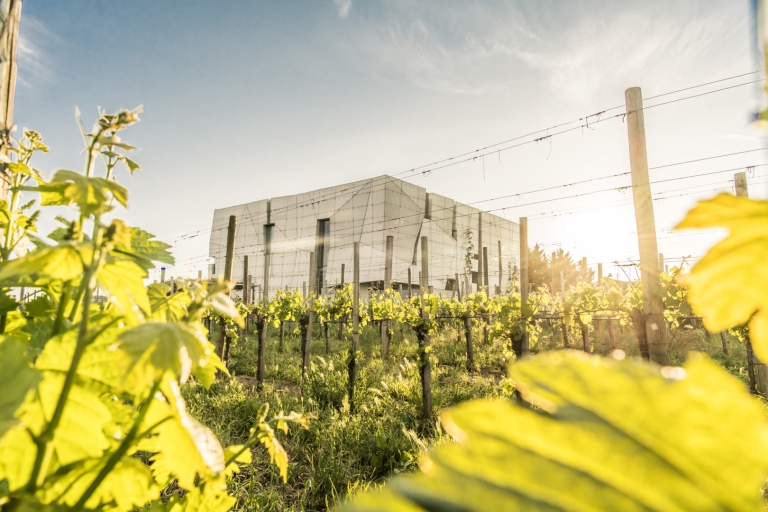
x,y
553,389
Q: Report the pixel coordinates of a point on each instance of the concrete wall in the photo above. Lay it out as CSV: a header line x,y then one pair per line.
x,y
366,211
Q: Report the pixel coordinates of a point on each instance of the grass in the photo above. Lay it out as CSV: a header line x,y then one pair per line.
x,y
343,453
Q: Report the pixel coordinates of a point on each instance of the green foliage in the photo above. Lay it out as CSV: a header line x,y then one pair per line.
x,y
604,435
727,286
92,392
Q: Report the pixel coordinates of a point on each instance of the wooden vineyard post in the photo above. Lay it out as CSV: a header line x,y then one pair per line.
x,y
410,288
661,263
653,307
468,336
262,325
501,272
611,334
384,326
724,341
162,275
521,346
9,43
424,345
480,251
486,283
599,272
458,287
352,368
245,297
222,343
585,337
754,365
306,328
341,320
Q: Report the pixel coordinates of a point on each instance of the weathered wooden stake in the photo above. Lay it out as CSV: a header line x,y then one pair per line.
x,y
306,327
352,368
653,307
599,272
611,334
384,325
480,261
501,272
487,285
342,319
423,335
9,43
521,347
410,288
222,345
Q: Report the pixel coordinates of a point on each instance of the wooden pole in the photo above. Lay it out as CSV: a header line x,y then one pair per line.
x,y
424,348
740,183
306,342
501,271
410,288
458,286
754,365
9,43
199,275
245,280
522,347
653,307
599,272
480,251
352,368
661,262
162,275
223,342
384,325
262,325
341,320
486,284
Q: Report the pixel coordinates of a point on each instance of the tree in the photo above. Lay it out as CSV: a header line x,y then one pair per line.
x,y
562,261
538,267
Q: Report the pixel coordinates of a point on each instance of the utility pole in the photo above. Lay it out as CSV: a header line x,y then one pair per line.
x,y
9,43
653,307
522,347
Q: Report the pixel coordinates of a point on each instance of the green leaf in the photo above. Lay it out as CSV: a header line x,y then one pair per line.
x,y
91,195
244,457
212,497
6,303
80,434
157,347
17,456
727,286
607,435
39,307
182,446
19,379
124,282
165,307
63,262
145,250
129,485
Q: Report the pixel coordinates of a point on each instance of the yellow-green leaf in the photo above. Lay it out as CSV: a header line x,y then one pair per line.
x,y
727,286
19,379
17,456
62,262
607,435
124,282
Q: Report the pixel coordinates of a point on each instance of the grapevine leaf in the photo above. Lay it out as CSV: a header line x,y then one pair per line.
x,y
123,281
224,306
62,262
80,434
165,307
607,435
144,249
91,195
211,498
277,454
243,458
19,379
727,286
182,446
17,456
157,347
129,485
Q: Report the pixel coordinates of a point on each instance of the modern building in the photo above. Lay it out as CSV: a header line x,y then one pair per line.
x,y
328,221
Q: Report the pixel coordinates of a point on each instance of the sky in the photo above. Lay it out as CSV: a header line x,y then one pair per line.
x,y
247,99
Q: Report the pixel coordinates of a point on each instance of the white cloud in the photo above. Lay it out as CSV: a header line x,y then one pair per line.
x,y
34,61
343,7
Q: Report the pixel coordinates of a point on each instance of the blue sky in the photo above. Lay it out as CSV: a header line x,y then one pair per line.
x,y
246,100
